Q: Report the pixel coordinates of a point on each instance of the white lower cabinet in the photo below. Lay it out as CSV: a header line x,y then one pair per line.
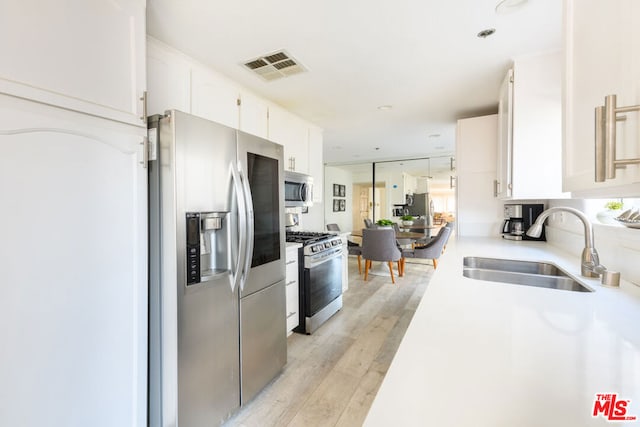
x,y
291,282
345,262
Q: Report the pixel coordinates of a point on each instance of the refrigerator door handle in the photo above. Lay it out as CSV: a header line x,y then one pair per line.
x,y
248,200
242,229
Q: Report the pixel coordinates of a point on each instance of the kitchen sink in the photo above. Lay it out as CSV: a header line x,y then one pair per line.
x,y
517,272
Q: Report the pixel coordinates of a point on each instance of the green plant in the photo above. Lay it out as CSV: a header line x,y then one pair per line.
x,y
407,217
384,222
614,206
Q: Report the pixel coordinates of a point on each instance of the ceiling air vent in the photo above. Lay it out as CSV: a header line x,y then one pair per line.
x,y
275,65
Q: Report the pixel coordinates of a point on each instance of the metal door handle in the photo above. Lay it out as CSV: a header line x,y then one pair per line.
x,y
248,200
605,138
242,229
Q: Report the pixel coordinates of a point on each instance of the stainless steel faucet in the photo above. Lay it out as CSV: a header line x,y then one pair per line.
x,y
590,266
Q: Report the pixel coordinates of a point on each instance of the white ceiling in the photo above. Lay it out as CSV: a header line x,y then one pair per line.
x,y
422,57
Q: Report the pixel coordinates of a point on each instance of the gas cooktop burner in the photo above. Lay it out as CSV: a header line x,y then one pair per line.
x,y
306,237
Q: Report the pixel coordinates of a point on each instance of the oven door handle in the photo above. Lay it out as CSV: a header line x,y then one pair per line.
x,y
322,260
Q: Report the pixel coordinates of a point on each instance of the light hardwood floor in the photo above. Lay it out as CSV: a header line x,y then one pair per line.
x,y
332,376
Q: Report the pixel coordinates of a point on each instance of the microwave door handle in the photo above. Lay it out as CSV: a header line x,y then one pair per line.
x,y
248,254
242,229
302,192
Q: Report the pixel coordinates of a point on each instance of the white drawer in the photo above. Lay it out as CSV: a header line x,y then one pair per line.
x,y
291,271
292,306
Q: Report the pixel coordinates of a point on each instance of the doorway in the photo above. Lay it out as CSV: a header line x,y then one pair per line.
x,y
363,203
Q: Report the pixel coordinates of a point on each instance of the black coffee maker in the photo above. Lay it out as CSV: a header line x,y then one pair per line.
x,y
518,219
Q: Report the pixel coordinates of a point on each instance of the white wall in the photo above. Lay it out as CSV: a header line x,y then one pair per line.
x,y
344,219
618,247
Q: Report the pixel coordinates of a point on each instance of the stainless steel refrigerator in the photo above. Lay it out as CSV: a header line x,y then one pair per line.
x,y
421,205
217,327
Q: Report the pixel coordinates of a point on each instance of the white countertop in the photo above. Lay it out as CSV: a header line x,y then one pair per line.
x,y
481,353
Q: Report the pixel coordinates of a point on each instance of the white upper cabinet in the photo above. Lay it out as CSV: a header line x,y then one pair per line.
x,y
293,134
503,183
91,60
254,115
214,97
602,44
316,163
176,81
168,79
530,129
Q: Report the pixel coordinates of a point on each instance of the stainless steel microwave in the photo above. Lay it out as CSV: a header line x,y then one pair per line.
x,y
298,189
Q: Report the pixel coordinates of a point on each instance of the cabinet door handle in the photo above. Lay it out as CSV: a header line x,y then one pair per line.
x,y
496,185
453,159
451,179
143,98
291,262
291,283
605,138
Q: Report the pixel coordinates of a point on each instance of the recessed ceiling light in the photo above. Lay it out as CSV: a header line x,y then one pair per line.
x,y
508,6
385,107
434,135
486,33
439,147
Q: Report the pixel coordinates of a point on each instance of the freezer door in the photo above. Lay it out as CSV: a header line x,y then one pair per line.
x,y
264,338
195,328
208,370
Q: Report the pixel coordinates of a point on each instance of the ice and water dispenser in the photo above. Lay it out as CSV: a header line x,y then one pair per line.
x,y
207,246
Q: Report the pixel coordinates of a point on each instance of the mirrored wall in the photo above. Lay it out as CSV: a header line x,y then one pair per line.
x,y
386,190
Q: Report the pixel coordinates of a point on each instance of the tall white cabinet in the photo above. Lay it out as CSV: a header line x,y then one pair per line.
x,y
602,47
479,213
74,219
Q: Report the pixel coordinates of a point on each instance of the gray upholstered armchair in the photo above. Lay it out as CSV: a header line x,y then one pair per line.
x,y
379,244
432,250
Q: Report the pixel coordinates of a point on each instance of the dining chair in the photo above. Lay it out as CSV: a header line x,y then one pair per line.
x,y
333,227
368,223
379,244
432,250
352,248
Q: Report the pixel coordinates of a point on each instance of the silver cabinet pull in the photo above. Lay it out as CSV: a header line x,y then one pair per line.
x,y
496,184
451,179
605,138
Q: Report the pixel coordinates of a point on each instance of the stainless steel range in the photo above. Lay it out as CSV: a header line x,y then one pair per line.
x,y
320,277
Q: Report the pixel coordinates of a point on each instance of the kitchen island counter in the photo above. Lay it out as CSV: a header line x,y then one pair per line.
x,y
480,353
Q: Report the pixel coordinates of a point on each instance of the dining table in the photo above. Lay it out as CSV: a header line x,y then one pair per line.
x,y
399,234
381,269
